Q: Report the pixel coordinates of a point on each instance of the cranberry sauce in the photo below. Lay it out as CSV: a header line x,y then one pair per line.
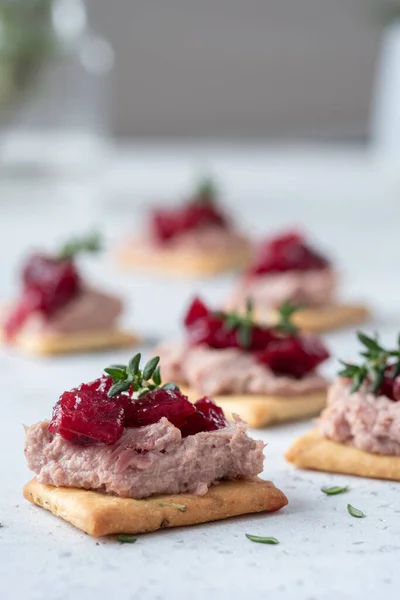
x,y
86,415
199,212
287,252
292,354
48,284
390,387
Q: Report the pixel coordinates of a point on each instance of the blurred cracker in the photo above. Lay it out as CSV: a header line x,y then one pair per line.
x,y
178,262
43,344
312,451
263,410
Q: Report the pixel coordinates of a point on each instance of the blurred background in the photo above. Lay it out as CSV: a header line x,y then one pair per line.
x,y
211,70
292,105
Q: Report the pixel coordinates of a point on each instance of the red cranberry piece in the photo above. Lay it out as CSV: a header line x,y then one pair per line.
x,y
207,417
166,224
214,414
197,310
149,409
387,387
205,327
390,387
294,356
212,331
288,252
87,416
396,389
102,385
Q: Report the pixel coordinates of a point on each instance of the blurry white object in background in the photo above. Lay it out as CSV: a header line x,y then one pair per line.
x,y
59,125
386,106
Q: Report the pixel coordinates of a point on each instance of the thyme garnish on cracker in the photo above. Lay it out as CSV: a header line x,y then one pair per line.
x,y
374,367
131,376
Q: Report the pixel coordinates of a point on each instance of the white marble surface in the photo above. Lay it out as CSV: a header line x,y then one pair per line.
x,y
324,553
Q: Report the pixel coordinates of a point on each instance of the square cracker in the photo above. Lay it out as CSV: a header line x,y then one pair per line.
x,y
312,451
263,410
176,262
100,514
325,318
68,343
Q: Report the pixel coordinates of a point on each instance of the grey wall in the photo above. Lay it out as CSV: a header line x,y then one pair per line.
x,y
241,68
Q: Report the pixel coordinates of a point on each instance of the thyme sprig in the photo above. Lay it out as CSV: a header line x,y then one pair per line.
x,y
90,243
142,381
242,323
206,190
377,360
285,314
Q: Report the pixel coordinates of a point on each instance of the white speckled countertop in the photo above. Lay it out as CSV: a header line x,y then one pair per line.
x,y
324,553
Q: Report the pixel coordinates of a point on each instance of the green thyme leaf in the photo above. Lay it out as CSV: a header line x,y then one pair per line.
x,y
181,507
378,376
157,376
370,343
262,540
133,364
231,321
206,190
244,335
355,512
285,314
249,307
90,243
170,386
116,372
334,490
126,539
117,388
150,367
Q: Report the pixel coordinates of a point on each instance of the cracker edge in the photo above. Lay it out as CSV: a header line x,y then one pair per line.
x,y
312,451
185,264
99,514
90,341
259,411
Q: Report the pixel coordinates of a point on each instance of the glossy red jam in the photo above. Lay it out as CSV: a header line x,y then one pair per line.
x,y
390,387
293,355
48,284
166,224
287,252
86,415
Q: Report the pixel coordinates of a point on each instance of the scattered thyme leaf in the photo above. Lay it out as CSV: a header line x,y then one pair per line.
x,y
334,490
262,540
355,512
126,539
